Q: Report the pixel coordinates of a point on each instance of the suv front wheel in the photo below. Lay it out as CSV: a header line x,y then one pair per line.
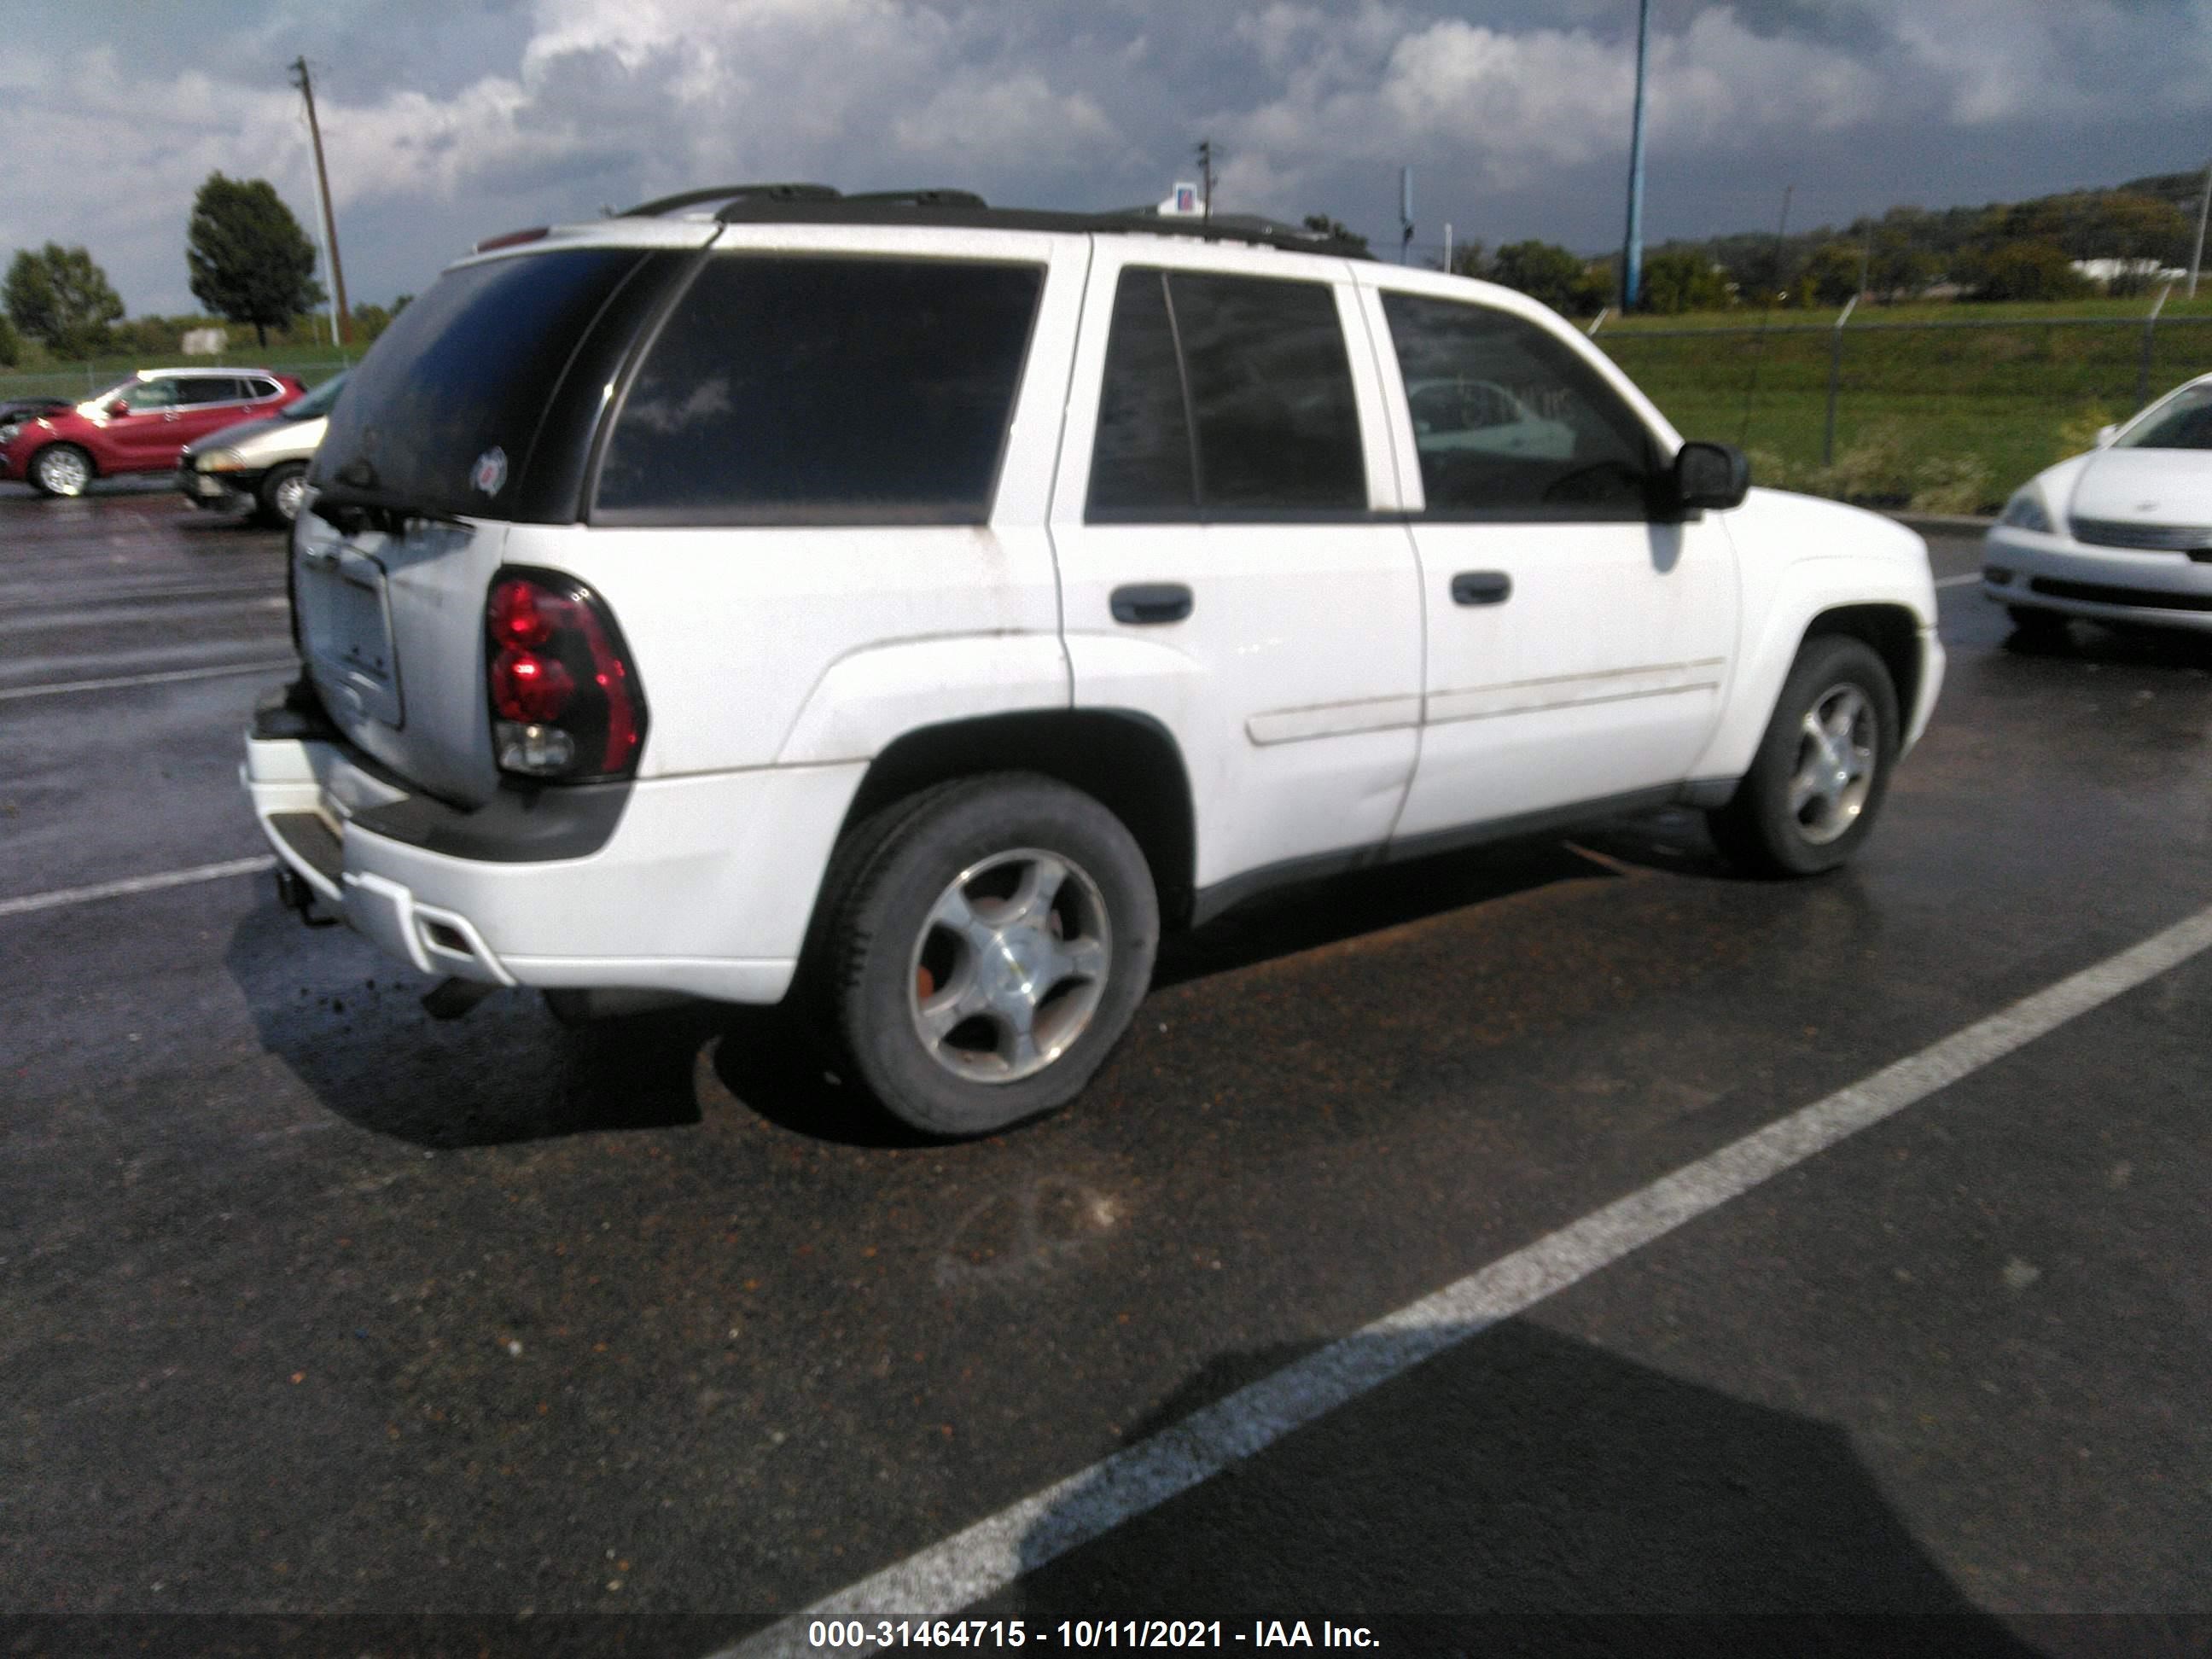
x,y
1822,768
989,949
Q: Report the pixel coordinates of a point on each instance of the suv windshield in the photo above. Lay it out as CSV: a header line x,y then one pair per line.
x,y
443,411
317,401
2184,422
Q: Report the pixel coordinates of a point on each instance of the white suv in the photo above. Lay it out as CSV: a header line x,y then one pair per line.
x,y
927,604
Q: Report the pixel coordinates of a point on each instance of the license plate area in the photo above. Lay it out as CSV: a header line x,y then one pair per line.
x,y
346,615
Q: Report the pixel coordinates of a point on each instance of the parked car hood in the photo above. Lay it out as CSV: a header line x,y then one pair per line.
x,y
2145,486
268,441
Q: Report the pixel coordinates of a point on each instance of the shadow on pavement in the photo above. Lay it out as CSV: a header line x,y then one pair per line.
x,y
2121,643
1540,1493
351,1025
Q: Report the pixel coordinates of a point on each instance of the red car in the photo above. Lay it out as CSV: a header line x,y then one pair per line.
x,y
139,425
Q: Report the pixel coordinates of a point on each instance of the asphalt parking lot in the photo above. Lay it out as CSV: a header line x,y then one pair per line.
x,y
316,1305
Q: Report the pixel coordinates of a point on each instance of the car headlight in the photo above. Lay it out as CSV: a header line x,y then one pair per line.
x,y
221,460
2025,512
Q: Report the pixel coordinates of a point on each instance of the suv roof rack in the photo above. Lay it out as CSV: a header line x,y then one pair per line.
x,y
821,204
661,204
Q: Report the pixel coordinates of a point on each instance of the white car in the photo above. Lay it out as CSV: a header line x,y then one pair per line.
x,y
925,605
2123,534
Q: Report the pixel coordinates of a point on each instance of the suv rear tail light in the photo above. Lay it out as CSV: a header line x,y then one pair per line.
x,y
565,703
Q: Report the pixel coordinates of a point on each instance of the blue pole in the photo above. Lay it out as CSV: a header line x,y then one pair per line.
x,y
1631,258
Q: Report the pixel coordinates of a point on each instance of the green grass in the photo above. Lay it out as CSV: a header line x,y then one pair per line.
x,y
2008,401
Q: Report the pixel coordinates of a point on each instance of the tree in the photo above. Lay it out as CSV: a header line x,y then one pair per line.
x,y
59,297
250,261
1830,276
1335,228
1543,271
1678,281
11,344
2033,270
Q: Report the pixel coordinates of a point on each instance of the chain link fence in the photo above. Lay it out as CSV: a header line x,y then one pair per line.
x,y
80,381
1939,415
1942,416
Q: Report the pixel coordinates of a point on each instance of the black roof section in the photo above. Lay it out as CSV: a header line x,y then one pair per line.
x,y
820,205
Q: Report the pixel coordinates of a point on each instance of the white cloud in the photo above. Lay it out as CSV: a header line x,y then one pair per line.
x,y
1084,102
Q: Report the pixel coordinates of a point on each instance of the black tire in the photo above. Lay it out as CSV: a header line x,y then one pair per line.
x,y
278,486
1759,829
879,899
2035,627
61,456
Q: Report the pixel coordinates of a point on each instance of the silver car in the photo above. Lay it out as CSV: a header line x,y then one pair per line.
x,y
260,466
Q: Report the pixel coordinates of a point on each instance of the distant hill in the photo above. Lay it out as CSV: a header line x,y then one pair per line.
x,y
1908,249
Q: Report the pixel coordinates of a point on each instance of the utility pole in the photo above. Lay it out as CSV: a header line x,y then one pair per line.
x,y
2197,258
1632,253
1206,172
306,87
1447,247
1405,213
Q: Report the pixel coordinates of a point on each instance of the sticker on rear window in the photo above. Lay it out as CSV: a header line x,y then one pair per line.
x,y
491,471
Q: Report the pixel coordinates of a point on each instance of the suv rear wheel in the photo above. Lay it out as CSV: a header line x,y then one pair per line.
x,y
61,469
1822,768
988,951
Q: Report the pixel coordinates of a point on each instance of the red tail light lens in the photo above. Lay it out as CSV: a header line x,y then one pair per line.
x,y
565,704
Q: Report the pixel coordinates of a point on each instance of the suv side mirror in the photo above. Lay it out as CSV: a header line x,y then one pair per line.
x,y
1710,475
2106,434
119,407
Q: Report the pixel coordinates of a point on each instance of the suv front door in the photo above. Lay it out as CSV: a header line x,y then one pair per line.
x,y
137,439
1578,646
1225,567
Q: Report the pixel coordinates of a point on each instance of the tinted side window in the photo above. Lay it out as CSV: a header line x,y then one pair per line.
x,y
1270,393
1509,422
152,394
825,390
1142,464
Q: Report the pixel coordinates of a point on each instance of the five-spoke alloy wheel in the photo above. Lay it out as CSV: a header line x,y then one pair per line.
x,y
1820,771
988,941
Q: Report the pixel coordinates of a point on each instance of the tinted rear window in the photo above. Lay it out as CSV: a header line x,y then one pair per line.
x,y
467,370
824,390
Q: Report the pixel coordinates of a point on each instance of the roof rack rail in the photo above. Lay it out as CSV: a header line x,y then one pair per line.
x,y
853,211
932,197
729,192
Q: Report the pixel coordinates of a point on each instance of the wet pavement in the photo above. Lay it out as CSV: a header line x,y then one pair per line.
x,y
316,1304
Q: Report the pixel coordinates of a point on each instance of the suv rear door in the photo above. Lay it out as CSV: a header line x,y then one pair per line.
x,y
1227,564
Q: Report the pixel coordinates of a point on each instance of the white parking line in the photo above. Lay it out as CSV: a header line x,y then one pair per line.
x,y
1959,581
55,901
10,693
991,1554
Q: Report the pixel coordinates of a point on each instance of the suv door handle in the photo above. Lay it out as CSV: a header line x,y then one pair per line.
x,y
1481,587
1146,602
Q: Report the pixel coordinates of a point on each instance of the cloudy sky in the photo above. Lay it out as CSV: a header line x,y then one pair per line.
x,y
447,120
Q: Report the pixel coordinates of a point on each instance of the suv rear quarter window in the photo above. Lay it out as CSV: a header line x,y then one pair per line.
x,y
473,366
789,389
